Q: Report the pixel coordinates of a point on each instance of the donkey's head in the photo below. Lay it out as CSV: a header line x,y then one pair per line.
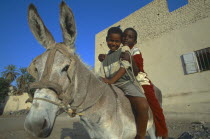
x,y
53,70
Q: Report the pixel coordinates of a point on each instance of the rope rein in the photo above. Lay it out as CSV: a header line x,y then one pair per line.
x,y
135,81
67,108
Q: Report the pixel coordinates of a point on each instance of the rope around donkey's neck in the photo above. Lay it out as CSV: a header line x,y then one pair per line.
x,y
66,108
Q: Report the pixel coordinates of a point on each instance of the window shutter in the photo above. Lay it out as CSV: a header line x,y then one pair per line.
x,y
189,62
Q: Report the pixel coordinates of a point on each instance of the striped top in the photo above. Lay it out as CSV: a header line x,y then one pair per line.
x,y
112,63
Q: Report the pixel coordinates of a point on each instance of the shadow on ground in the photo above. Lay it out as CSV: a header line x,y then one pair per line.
x,y
147,137
77,132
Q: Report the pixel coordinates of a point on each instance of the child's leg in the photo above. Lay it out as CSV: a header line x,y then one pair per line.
x,y
159,119
140,108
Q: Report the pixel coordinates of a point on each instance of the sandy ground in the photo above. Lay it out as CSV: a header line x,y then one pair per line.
x,y
67,128
64,128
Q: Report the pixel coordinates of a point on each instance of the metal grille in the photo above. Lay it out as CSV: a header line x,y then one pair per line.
x,y
203,58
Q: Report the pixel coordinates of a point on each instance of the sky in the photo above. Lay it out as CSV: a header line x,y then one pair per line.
x,y
19,47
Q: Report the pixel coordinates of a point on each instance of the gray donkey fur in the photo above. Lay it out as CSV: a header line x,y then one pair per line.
x,y
107,112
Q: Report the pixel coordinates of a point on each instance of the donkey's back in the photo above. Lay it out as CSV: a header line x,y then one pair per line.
x,y
111,117
114,118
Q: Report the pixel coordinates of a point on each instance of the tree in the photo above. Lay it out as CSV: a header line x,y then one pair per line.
x,y
10,73
4,88
24,80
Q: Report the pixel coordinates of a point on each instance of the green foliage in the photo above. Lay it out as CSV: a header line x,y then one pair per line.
x,y
24,80
4,87
10,73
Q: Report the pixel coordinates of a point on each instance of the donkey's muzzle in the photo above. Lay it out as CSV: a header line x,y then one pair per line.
x,y
50,85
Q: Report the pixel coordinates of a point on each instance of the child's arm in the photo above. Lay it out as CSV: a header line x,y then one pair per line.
x,y
123,66
116,77
128,57
139,61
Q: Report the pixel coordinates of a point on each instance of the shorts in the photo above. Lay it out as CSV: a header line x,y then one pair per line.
x,y
132,90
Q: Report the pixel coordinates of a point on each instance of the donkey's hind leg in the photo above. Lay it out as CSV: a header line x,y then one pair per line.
x,y
151,133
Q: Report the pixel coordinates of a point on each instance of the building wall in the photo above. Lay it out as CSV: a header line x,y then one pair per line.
x,y
16,103
163,38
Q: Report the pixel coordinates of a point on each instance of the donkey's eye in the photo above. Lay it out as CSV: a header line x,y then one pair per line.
x,y
65,68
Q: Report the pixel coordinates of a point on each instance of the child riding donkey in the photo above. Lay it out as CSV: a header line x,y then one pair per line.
x,y
130,39
119,73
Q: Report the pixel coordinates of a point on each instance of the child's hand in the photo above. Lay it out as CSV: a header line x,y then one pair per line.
x,y
106,80
125,56
101,57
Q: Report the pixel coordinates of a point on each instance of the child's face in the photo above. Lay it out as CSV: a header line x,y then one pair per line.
x,y
114,41
129,38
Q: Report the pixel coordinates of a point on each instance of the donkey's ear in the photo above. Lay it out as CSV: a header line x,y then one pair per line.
x,y
68,25
38,28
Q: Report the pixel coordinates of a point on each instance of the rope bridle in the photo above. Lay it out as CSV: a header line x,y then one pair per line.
x,y
44,82
67,108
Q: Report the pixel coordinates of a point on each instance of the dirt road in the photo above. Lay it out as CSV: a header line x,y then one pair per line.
x,y
66,128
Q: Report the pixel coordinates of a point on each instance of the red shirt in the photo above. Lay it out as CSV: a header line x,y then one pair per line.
x,y
135,52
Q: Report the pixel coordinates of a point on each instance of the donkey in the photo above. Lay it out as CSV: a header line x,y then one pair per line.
x,y
63,82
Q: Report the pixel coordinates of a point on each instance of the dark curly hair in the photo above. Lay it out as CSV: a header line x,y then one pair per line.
x,y
115,30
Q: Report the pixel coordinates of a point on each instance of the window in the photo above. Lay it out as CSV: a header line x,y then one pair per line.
x,y
196,61
203,58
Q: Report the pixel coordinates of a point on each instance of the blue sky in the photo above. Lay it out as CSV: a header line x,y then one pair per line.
x,y
18,45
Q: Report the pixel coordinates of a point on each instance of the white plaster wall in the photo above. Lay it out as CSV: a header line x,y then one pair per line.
x,y
163,64
163,37
15,103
